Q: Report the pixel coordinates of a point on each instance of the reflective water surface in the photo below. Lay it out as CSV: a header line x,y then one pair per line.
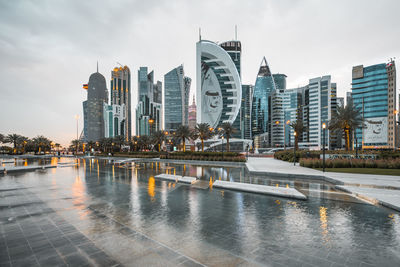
x,y
109,202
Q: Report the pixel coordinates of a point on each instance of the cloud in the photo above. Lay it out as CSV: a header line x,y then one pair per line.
x,y
48,49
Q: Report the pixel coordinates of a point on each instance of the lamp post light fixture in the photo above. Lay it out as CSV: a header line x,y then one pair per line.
x,y
222,146
77,140
151,121
323,146
284,134
294,149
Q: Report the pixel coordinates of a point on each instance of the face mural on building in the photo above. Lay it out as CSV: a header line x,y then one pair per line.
x,y
211,97
376,130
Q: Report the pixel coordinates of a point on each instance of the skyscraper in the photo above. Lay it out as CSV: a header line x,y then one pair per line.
x,y
121,95
93,107
245,111
219,90
192,115
320,100
148,109
176,97
264,85
373,92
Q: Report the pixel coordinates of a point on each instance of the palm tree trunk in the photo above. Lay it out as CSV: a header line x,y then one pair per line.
x,y
227,144
184,144
296,142
202,144
347,139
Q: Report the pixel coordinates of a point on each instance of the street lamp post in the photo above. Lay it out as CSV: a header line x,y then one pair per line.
x,y
77,140
356,147
222,146
323,146
284,134
294,150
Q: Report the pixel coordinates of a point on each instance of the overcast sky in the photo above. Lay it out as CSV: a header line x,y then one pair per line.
x,y
48,49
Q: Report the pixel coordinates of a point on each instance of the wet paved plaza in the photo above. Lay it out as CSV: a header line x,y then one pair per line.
x,y
103,214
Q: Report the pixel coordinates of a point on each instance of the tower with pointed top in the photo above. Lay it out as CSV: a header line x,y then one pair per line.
x,y
264,86
192,115
93,117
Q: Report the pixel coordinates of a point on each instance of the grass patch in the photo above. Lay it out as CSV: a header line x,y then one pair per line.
x,y
364,170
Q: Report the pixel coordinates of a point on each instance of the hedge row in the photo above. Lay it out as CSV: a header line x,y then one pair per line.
x,y
287,155
207,156
352,163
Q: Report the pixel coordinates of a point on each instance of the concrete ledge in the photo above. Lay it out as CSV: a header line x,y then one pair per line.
x,y
176,178
385,197
28,168
260,189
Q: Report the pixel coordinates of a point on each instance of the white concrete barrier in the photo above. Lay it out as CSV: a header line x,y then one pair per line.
x,y
260,189
176,178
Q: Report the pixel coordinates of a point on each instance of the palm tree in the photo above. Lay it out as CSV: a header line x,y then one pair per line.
x,y
13,139
298,127
42,143
119,141
105,143
227,130
158,138
144,141
347,119
90,145
183,132
1,138
204,132
133,143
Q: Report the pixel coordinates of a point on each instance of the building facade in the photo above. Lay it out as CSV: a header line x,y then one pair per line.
x,y
264,86
120,87
219,90
245,111
374,94
192,115
93,120
176,98
149,107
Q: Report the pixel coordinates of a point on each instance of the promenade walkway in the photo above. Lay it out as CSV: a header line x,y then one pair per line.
x,y
382,189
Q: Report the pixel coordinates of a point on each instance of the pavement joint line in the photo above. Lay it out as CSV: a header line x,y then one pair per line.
x,y
148,237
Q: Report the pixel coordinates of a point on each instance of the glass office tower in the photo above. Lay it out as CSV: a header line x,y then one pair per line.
x,y
176,98
373,93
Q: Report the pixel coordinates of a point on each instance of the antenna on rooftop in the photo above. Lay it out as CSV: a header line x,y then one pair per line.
x,y
97,66
235,32
199,34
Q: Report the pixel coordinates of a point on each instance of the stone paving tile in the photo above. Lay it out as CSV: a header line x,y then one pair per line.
x,y
32,234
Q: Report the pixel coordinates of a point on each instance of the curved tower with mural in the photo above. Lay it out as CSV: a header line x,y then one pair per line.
x,y
219,89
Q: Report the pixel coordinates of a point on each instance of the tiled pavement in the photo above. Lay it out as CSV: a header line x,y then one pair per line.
x,y
33,234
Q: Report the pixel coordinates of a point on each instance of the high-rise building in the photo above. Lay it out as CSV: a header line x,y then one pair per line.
x,y
176,98
192,115
348,97
340,101
264,86
219,90
148,109
93,107
121,95
245,111
234,49
373,93
320,111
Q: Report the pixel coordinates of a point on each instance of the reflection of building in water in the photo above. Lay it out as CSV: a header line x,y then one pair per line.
x,y
374,94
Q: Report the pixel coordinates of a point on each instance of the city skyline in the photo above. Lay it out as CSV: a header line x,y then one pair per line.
x,y
51,59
